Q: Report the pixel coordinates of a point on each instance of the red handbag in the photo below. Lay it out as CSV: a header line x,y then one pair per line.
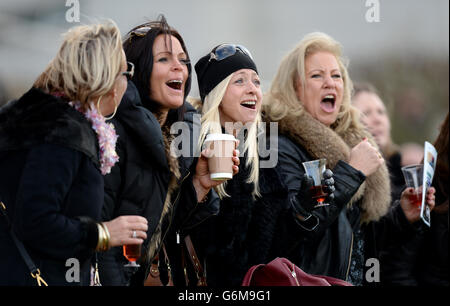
x,y
282,272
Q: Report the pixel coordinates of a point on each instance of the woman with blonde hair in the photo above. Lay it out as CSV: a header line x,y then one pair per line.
x,y
243,231
310,99
54,148
375,118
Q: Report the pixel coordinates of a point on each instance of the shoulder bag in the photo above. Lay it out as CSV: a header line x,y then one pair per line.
x,y
34,271
282,272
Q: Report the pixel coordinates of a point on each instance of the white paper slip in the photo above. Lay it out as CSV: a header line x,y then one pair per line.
x,y
429,164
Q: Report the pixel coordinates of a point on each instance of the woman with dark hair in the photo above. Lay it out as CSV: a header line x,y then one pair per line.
x,y
398,253
433,262
149,179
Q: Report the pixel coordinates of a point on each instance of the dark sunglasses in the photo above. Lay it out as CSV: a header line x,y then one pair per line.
x,y
130,71
226,50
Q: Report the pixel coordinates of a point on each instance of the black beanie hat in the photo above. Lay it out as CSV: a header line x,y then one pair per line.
x,y
212,72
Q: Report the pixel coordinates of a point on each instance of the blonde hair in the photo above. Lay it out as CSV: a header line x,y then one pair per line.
x,y
87,63
210,123
282,100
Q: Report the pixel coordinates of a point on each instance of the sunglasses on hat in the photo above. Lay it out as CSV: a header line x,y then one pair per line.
x,y
226,50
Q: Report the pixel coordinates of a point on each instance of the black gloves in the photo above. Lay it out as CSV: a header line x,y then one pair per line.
x,y
328,185
304,195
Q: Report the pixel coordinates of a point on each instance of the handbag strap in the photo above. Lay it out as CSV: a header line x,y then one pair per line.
x,y
195,261
153,278
34,271
183,265
169,269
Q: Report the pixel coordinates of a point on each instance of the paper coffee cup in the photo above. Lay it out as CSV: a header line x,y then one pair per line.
x,y
220,162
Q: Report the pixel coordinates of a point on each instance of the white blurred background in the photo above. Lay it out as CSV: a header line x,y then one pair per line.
x,y
405,55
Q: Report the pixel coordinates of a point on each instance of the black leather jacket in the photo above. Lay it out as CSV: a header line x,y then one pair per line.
x,y
327,249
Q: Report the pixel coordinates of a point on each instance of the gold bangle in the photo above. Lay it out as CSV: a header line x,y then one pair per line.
x,y
100,238
107,236
103,239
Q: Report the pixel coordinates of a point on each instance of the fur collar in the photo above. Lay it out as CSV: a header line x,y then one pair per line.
x,y
323,142
38,117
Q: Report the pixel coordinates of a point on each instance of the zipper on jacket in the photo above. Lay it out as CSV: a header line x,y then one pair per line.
x,y
349,258
171,213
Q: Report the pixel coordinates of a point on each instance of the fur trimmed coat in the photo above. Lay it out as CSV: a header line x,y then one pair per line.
x,y
323,142
356,226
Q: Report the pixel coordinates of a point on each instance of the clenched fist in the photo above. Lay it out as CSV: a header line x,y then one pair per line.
x,y
365,158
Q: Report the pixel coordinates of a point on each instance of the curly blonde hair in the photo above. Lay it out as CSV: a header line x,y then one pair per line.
x,y
87,63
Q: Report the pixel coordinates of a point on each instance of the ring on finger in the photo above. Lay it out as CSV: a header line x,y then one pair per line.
x,y
134,235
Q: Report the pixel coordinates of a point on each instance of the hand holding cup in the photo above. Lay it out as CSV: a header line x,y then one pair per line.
x,y
409,204
218,162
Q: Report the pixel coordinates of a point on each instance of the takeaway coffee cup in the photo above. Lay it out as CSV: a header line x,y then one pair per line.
x,y
220,160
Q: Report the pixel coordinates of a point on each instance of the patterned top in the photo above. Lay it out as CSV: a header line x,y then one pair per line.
x,y
355,275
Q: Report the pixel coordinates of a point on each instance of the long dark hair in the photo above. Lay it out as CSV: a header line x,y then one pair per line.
x,y
442,162
139,51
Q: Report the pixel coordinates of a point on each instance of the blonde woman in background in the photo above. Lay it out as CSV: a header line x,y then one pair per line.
x,y
375,118
54,148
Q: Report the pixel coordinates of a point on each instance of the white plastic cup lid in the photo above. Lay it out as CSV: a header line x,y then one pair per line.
x,y
217,136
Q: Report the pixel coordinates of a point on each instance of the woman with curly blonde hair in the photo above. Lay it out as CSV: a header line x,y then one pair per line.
x,y
55,147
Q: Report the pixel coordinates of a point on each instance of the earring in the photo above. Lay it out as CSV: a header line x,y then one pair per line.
x,y
98,105
115,108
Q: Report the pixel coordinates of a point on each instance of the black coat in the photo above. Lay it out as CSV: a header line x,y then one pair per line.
x,y
138,184
395,173
432,264
421,258
246,231
52,187
328,249
341,243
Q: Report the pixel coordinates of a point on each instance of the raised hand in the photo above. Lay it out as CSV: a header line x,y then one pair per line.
x,y
410,209
365,158
202,181
127,230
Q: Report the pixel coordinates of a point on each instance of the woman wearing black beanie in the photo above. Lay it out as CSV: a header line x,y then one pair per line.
x,y
255,200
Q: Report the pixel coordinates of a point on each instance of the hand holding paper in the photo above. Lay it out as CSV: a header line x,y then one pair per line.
x,y
410,208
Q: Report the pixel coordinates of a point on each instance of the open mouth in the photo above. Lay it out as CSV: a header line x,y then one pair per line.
x,y
249,104
328,103
175,84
